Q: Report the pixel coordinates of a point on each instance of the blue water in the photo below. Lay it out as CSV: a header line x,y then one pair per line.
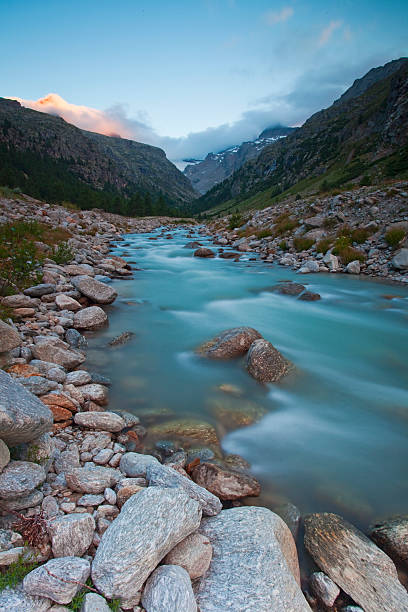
x,y
335,433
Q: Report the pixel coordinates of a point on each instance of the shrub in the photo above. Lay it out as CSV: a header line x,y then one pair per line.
x,y
346,252
63,253
264,233
19,264
360,235
324,245
283,224
302,244
283,245
394,236
235,221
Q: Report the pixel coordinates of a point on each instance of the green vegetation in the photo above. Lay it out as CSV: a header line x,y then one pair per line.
x,y
346,252
302,244
236,220
19,260
63,254
324,245
283,245
78,600
360,235
14,573
394,236
264,233
283,224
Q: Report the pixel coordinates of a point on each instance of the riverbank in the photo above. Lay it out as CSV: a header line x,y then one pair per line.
x,y
101,498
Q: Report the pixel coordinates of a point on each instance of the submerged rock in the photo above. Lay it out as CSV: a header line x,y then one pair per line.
x,y
168,589
289,288
223,483
203,252
121,339
309,296
230,343
233,412
265,363
185,429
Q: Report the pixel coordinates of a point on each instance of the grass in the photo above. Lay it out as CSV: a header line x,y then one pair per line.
x,y
394,236
264,233
302,244
78,600
283,224
346,252
62,254
15,572
324,245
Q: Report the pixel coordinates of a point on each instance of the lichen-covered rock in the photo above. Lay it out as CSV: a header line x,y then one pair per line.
x,y
150,524
223,483
20,478
23,417
98,292
254,564
265,363
194,554
92,317
230,343
91,480
58,579
104,421
168,589
9,337
354,563
71,535
163,476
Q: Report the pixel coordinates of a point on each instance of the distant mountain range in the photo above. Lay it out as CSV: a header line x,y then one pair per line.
x,y
43,152
363,136
216,167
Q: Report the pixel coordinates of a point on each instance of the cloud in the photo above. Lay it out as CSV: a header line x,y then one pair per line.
x,y
273,17
327,32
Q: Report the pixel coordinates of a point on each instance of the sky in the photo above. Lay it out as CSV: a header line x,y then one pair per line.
x,y
192,76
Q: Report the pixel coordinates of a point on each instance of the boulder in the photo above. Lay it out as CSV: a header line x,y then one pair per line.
x,y
309,296
65,302
92,317
230,343
265,363
194,554
149,525
254,564
95,392
166,477
203,252
168,589
309,266
392,536
22,503
9,337
79,270
400,260
104,421
332,262
40,290
58,579
56,351
223,483
20,478
353,267
71,535
23,417
354,563
91,480
17,301
17,600
135,465
98,292
38,385
289,288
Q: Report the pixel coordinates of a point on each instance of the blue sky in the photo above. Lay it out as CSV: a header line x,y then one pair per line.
x,y
199,75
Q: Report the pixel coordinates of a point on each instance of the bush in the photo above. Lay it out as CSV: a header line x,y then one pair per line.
x,y
394,236
236,220
324,245
346,252
302,244
360,235
263,233
283,245
63,254
283,224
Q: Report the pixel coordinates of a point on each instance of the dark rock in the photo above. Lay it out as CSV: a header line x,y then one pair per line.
x,y
193,245
75,339
324,588
392,536
9,337
265,363
40,290
289,288
309,296
121,339
230,343
203,252
230,255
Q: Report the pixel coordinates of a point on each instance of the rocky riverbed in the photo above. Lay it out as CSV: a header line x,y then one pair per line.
x,y
160,532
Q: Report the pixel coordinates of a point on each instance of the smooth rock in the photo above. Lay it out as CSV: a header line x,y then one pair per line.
x,y
94,603
204,252
353,267
92,317
98,292
254,565
64,302
289,288
48,350
104,421
96,393
149,525
71,535
168,589
309,266
40,290
20,478
225,484
400,260
38,385
135,465
324,588
9,337
91,480
58,586
194,554
265,363
354,563
230,343
331,261
78,378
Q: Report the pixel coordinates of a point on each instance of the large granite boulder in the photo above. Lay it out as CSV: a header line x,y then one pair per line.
x,y
265,363
168,589
98,292
9,337
223,483
23,417
354,563
254,564
58,579
149,525
230,343
92,317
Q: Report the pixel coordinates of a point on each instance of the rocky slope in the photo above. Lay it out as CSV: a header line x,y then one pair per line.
x,y
216,167
362,135
101,162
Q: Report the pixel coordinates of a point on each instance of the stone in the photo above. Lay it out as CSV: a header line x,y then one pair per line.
x,y
168,589
291,515
354,563
9,337
230,343
104,421
49,507
225,484
20,478
91,480
64,302
316,221
71,535
332,262
103,456
91,500
121,339
78,378
96,393
309,266
94,603
22,503
166,477
353,267
400,260
67,460
17,600
7,557
135,465
38,385
4,455
59,399
265,363
309,296
194,554
324,588
20,313
204,252
60,414
92,317
110,496
10,539
56,352
58,579
17,301
98,292
130,548
40,290
254,564
392,536
126,492
289,288
185,429
75,339
79,269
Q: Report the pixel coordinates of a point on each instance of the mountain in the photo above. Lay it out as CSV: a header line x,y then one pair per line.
x,y
216,167
43,152
362,136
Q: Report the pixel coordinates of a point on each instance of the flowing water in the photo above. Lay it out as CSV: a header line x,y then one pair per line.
x,y
334,434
